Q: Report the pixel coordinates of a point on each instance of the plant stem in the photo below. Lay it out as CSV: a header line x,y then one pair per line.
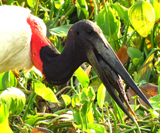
x,y
109,123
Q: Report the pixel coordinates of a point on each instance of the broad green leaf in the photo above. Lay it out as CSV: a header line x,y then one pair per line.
x,y
104,23
142,17
44,92
156,7
31,3
76,116
82,9
66,99
15,100
155,101
61,31
144,72
122,11
8,80
82,77
101,95
134,53
4,123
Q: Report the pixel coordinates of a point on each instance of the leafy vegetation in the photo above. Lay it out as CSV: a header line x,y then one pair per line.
x,y
28,103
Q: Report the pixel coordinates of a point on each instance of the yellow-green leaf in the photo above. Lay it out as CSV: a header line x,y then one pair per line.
x,y
101,95
145,70
44,92
82,77
4,124
66,99
142,17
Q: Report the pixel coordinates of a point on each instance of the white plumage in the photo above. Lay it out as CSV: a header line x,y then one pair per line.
x,y
15,37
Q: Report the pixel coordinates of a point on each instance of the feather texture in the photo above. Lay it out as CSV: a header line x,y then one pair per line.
x,y
15,38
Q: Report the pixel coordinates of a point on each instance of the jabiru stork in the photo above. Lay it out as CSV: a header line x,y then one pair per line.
x,y
24,44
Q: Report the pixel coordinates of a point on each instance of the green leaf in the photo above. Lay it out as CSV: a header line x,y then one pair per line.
x,y
32,119
101,95
15,100
45,92
82,9
142,17
75,100
82,77
61,31
144,72
156,7
8,80
134,53
31,3
104,23
89,114
87,94
66,99
4,123
1,83
122,11
155,101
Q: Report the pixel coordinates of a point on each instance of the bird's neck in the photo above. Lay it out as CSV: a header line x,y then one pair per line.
x,y
57,68
38,40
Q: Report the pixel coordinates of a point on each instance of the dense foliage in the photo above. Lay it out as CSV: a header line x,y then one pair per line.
x,y
29,104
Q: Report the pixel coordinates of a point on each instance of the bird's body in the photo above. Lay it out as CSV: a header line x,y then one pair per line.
x,y
23,44
15,38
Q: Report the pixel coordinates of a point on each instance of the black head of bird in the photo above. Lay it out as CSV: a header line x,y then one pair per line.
x,y
85,42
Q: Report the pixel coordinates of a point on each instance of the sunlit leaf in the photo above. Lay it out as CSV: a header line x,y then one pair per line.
x,y
61,31
82,77
142,17
156,7
101,95
144,72
31,3
8,80
154,113
90,114
75,100
66,99
15,100
4,123
155,101
44,92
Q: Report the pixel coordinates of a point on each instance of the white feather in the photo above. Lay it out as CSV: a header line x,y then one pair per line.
x,y
15,37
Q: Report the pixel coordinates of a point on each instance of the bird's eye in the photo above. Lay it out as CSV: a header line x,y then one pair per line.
x,y
77,32
89,31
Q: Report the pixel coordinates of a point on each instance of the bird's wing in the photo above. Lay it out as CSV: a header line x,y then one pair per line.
x,y
15,33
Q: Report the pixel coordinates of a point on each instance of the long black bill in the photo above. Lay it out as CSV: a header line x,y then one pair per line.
x,y
108,67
